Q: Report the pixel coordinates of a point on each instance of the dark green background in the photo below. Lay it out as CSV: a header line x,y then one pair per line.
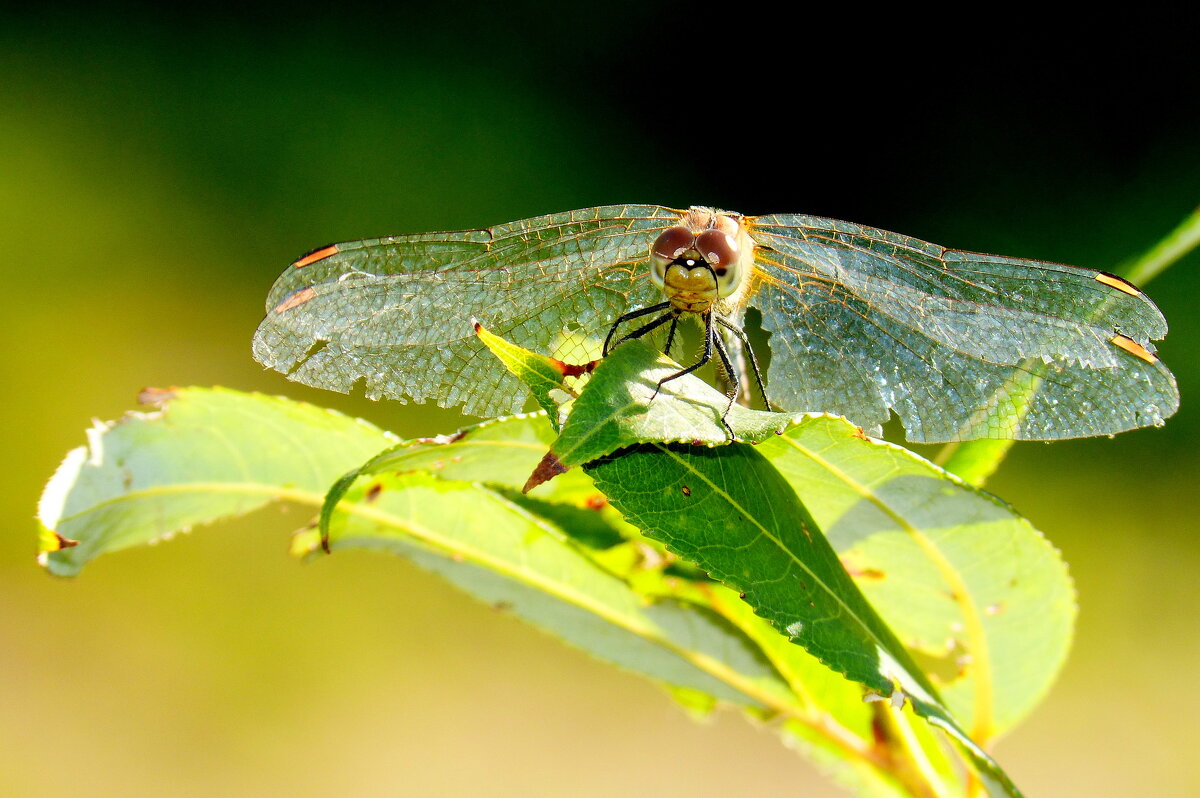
x,y
158,169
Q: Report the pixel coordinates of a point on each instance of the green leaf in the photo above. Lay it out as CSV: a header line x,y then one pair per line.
x,y
731,512
996,605
1174,246
208,454
830,704
543,376
500,452
619,407
970,586
880,504
836,728
820,707
625,402
974,461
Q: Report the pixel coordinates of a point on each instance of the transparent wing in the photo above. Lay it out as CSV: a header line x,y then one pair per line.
x,y
397,312
961,345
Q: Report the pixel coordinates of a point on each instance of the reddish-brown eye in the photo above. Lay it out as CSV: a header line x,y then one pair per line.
x,y
717,248
673,243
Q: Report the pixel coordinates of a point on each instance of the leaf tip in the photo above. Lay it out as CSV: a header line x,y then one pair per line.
x,y
547,468
305,542
49,542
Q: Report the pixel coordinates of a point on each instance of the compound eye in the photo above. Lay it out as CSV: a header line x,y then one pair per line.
x,y
719,250
673,243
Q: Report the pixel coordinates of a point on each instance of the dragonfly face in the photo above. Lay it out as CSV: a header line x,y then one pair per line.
x,y
862,322
707,257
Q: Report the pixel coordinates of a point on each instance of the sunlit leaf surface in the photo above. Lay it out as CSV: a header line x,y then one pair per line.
x,y
207,455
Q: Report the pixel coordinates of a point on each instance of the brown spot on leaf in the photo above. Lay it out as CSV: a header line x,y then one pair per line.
x,y
547,468
880,734
864,573
572,369
317,254
156,396
597,502
295,299
64,543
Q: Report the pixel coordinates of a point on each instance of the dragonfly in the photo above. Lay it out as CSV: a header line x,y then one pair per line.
x,y
860,322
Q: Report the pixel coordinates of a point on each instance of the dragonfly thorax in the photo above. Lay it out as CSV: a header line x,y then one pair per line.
x,y
701,260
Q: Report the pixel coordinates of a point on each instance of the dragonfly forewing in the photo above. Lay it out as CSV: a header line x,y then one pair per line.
x,y
961,345
397,313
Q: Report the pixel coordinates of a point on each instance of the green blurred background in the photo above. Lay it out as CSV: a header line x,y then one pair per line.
x,y
159,168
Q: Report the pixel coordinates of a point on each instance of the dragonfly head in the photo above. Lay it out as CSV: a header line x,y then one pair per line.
x,y
700,260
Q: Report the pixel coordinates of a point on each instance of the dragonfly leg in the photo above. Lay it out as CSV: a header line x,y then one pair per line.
x,y
734,387
630,316
749,350
645,328
707,356
671,335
